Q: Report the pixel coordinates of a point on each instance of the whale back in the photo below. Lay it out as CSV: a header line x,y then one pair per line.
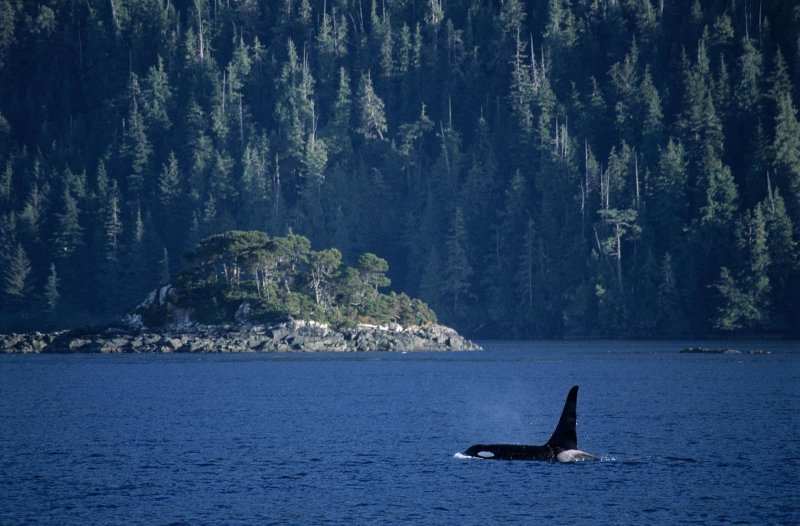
x,y
565,436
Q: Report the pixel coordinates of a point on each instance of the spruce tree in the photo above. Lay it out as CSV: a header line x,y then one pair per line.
x,y
157,97
667,211
5,184
136,147
784,270
112,228
371,116
671,320
458,268
786,150
68,235
17,282
50,293
169,189
337,133
521,94
744,296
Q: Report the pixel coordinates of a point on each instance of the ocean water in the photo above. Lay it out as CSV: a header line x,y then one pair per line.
x,y
372,438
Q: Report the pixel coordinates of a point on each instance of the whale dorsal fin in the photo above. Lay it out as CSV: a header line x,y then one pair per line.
x,y
565,436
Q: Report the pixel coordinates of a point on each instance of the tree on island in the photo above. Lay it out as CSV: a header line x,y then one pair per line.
x,y
283,278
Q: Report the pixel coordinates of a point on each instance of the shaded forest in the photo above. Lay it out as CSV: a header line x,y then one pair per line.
x,y
561,168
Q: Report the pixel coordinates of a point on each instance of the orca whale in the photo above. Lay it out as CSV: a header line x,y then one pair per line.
x,y
562,446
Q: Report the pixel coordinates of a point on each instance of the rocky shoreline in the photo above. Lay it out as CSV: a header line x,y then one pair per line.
x,y
292,336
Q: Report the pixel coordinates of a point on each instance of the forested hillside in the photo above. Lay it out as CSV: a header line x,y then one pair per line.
x,y
529,169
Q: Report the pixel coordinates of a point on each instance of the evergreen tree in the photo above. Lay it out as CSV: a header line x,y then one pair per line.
x,y
721,194
157,97
372,271
522,92
31,215
338,131
458,267
652,125
255,186
667,210
6,179
68,235
526,275
50,293
315,159
512,17
323,266
735,304
431,278
17,276
136,148
784,264
372,119
670,318
786,148
169,181
289,106
745,298
748,86
112,228
561,26
625,79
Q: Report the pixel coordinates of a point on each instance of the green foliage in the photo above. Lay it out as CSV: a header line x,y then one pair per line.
x,y
17,275
283,278
131,127
68,234
50,293
744,298
372,119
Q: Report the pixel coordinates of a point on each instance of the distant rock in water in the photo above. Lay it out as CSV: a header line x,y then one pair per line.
x,y
703,350
293,336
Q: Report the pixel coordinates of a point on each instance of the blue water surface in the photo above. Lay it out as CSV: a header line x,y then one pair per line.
x,y
371,438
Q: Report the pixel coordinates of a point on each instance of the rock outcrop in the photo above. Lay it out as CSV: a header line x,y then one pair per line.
x,y
292,336
703,350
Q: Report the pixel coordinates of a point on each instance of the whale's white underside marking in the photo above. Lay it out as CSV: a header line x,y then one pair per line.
x,y
574,455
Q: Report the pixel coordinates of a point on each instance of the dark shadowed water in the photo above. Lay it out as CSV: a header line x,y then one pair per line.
x,y
371,438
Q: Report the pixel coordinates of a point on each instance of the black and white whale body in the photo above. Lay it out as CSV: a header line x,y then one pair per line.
x,y
562,446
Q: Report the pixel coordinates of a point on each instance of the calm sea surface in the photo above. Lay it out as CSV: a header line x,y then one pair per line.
x,y
371,438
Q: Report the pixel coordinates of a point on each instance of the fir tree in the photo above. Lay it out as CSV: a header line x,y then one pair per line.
x,y
786,148
522,91
169,181
50,293
68,235
136,148
372,119
338,131
157,97
17,276
667,210
458,267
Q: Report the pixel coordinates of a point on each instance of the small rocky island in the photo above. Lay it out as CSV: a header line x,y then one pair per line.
x,y
247,292
704,350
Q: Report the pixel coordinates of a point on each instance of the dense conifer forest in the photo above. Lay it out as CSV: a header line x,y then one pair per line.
x,y
548,168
